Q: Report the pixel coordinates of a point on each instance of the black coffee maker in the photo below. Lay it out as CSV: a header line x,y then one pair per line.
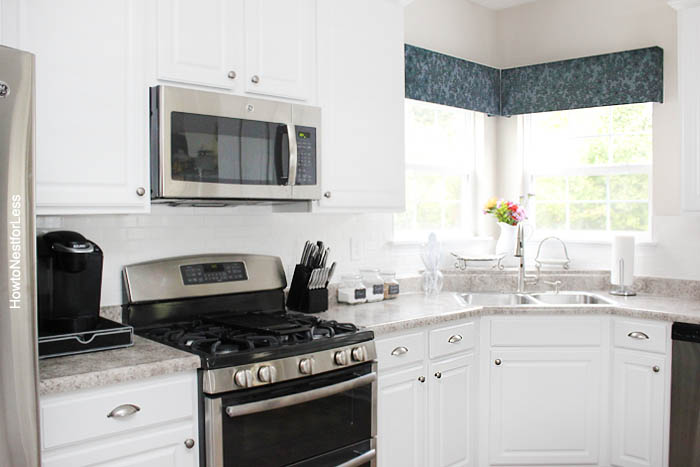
x,y
69,282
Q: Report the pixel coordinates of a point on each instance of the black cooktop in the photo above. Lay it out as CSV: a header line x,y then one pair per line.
x,y
227,339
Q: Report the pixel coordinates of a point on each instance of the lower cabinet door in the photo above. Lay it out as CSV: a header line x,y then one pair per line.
x,y
164,447
544,407
451,412
401,418
637,409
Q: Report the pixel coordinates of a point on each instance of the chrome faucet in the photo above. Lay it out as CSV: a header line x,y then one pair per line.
x,y
523,278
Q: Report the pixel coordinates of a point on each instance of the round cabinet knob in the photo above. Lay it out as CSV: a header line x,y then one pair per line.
x,y
656,368
231,74
189,443
243,378
359,354
255,79
266,374
438,375
327,194
140,191
421,379
306,366
340,358
497,361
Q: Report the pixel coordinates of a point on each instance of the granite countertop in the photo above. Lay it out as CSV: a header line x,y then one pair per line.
x,y
413,310
143,360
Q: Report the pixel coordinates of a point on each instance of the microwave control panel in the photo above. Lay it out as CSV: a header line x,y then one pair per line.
x,y
213,272
306,155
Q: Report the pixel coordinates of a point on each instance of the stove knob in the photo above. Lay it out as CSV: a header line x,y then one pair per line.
x,y
243,378
267,373
340,358
306,366
359,354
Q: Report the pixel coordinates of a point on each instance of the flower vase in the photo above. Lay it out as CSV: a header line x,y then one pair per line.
x,y
507,239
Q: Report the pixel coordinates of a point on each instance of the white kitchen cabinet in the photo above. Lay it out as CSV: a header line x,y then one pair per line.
x,y
201,42
280,47
91,101
689,92
638,400
451,412
361,91
77,431
402,417
545,407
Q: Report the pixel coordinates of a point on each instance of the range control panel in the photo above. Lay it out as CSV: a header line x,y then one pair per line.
x,y
209,273
306,155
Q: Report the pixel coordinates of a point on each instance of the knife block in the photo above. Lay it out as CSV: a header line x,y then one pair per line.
x,y
300,298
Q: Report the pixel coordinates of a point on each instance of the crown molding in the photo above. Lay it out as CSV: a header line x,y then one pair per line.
x,y
683,4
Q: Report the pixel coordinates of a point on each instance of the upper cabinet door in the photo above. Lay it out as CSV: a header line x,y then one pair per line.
x,y
361,90
201,42
280,47
91,104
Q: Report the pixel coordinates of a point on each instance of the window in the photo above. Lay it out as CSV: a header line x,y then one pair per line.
x,y
439,165
590,170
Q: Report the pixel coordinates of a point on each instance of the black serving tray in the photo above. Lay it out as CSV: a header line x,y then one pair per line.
x,y
107,335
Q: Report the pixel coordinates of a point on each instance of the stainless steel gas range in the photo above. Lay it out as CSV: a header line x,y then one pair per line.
x,y
276,387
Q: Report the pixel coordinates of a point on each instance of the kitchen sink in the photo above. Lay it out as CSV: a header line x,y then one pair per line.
x,y
497,299
570,298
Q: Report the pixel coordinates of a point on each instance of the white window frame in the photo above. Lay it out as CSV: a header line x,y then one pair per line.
x,y
582,236
467,213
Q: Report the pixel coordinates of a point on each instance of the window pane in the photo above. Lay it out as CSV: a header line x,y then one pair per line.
x,y
453,188
587,188
453,215
634,118
551,216
587,216
632,149
428,215
629,216
422,186
550,188
588,151
629,187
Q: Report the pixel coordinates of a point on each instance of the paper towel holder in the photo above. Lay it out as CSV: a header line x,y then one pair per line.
x,y
623,290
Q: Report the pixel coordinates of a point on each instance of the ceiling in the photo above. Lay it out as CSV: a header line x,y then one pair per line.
x,y
501,4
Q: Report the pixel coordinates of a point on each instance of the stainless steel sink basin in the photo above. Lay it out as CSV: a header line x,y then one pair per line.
x,y
497,299
570,298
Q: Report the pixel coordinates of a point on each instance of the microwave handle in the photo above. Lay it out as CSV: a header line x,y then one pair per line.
x,y
281,165
299,398
293,156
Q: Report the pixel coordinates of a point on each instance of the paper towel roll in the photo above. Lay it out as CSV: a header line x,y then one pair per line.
x,y
622,248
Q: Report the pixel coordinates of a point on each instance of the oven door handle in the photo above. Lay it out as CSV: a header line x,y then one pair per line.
x,y
299,398
361,459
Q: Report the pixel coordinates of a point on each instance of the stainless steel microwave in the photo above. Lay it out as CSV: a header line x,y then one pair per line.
x,y
211,148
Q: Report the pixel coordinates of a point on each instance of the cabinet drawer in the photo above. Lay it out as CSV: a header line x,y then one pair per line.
x,y
80,416
640,335
401,350
451,339
546,332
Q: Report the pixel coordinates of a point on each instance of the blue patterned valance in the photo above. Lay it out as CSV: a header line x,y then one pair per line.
x,y
611,79
442,79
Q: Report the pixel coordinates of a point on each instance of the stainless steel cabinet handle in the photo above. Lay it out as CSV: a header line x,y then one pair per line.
x,y
189,443
438,375
327,194
124,410
399,351
454,339
497,361
255,79
421,379
232,74
637,335
140,191
656,368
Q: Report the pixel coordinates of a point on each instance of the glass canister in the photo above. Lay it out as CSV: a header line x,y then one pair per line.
x,y
374,284
391,285
352,290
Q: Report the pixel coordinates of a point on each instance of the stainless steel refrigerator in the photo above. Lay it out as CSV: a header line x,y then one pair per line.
x,y
19,418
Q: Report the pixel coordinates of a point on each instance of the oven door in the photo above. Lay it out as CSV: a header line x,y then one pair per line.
x,y
324,420
213,145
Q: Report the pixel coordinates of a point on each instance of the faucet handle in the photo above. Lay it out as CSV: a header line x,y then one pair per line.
x,y
520,242
556,284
